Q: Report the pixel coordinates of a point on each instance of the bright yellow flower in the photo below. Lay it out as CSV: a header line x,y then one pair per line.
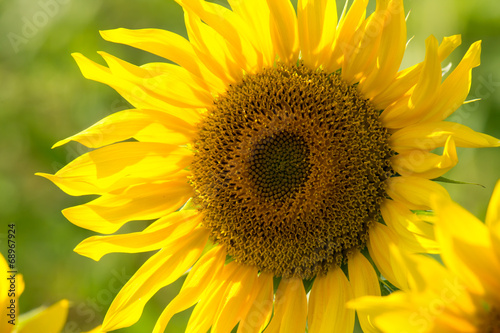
x,y
464,296
292,134
44,319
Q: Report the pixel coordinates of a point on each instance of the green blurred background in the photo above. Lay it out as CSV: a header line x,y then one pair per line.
x,y
44,98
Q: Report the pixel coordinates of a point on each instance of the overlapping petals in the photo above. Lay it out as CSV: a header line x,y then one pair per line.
x,y
456,297
140,166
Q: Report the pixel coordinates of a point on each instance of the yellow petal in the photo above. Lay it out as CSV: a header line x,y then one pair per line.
x,y
364,282
231,27
197,281
290,308
20,285
49,320
346,29
167,82
421,269
126,124
4,283
236,301
415,192
259,313
168,45
424,164
493,213
213,50
329,32
257,15
429,136
493,219
317,21
362,276
284,31
430,78
142,202
160,270
408,78
99,73
452,323
415,235
381,238
174,133
206,310
118,166
362,60
448,45
327,311
132,83
429,280
160,234
455,88
410,110
466,247
390,314
390,53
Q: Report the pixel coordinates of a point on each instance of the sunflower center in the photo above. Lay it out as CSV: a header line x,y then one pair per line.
x,y
491,324
289,170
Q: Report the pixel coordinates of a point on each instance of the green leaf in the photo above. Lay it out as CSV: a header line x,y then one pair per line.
x,y
451,181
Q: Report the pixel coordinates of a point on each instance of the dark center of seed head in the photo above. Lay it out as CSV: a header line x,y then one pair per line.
x,y
279,165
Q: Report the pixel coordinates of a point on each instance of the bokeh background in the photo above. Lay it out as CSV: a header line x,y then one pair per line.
x,y
44,98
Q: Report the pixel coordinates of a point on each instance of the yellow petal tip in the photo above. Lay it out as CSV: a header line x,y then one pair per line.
x,y
59,143
105,33
44,175
77,55
94,256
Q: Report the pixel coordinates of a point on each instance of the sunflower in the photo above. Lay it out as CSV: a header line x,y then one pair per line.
x,y
464,296
43,319
279,152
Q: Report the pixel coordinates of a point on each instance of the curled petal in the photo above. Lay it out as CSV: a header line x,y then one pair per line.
x,y
428,136
424,164
456,86
415,192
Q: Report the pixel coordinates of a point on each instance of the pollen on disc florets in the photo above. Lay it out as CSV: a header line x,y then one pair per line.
x,y
289,170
